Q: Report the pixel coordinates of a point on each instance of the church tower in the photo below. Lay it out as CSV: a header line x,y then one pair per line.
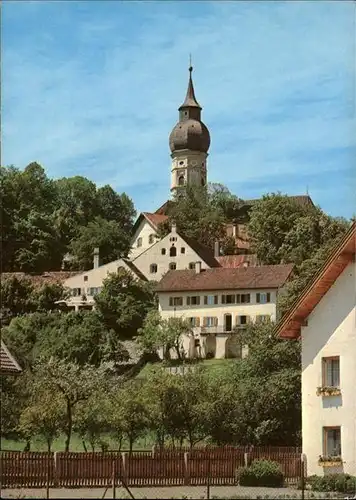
x,y
189,143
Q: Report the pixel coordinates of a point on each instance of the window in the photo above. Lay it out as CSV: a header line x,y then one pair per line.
x,y
242,320
182,162
181,180
193,301
228,299
196,343
332,441
172,266
262,318
173,238
202,181
139,242
163,251
194,321
85,278
93,291
76,292
331,371
153,268
243,298
182,250
191,265
263,298
172,251
175,301
210,300
210,321
151,239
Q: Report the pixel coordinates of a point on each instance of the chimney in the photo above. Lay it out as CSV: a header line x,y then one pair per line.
x,y
216,249
173,227
96,258
198,267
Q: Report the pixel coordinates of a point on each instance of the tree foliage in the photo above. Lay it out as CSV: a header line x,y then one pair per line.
x,y
44,219
124,302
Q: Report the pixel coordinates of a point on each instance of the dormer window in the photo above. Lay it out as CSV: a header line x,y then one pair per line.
x,y
139,242
172,251
151,239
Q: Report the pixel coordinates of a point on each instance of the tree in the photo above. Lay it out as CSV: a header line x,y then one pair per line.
x,y
196,216
129,412
115,207
112,240
73,382
43,416
167,334
124,302
16,298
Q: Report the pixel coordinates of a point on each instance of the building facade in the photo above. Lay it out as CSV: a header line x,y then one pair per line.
x,y
218,303
324,318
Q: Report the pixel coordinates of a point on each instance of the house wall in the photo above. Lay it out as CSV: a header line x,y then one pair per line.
x,y
219,342
153,255
331,331
143,231
91,279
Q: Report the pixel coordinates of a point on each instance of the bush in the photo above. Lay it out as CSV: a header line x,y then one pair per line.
x,y
343,483
261,473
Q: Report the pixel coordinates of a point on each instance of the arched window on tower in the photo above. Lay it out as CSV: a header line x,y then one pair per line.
x,y
172,251
181,181
202,181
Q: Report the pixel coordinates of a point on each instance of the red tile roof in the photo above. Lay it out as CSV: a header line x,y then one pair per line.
x,y
154,219
44,278
226,278
235,261
8,364
342,254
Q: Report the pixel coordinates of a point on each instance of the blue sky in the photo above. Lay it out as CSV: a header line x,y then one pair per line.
x,y
92,88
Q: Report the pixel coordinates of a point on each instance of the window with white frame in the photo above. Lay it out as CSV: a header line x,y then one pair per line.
x,y
242,320
263,298
332,441
151,239
194,321
153,268
228,299
210,321
172,266
331,371
95,290
243,298
211,300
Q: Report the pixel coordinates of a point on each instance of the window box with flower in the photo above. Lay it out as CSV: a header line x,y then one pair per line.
x,y
328,391
330,461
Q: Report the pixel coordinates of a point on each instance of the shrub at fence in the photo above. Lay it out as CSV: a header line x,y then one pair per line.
x,y
344,483
261,473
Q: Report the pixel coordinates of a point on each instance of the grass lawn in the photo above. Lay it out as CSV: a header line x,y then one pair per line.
x,y
39,444
211,364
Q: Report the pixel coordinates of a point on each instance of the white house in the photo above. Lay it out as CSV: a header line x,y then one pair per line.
x,y
324,317
218,301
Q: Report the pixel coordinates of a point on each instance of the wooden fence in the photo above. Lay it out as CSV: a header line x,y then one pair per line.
x,y
166,467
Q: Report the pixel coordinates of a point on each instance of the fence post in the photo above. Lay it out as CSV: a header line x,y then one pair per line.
x,y
186,468
55,469
124,471
113,479
47,474
246,459
153,451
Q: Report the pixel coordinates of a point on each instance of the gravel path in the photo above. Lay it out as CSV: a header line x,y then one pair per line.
x,y
191,492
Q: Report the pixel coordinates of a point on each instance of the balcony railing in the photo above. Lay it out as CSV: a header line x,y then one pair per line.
x,y
207,330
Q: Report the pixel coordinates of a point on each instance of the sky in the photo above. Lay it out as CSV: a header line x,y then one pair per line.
x,y
92,88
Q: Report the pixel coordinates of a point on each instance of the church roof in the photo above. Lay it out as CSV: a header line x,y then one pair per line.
x,y
342,254
190,100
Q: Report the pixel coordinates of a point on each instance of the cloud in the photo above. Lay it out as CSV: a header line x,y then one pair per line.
x,y
92,88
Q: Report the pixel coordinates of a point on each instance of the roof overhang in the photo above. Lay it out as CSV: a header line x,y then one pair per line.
x,y
290,325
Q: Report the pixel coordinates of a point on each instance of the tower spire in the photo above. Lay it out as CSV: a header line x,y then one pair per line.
x,y
190,99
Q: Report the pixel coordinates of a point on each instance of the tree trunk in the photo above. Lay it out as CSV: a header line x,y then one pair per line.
x,y
49,445
131,442
69,426
28,445
84,446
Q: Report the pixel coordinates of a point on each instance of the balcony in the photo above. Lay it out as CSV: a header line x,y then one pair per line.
x,y
214,330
